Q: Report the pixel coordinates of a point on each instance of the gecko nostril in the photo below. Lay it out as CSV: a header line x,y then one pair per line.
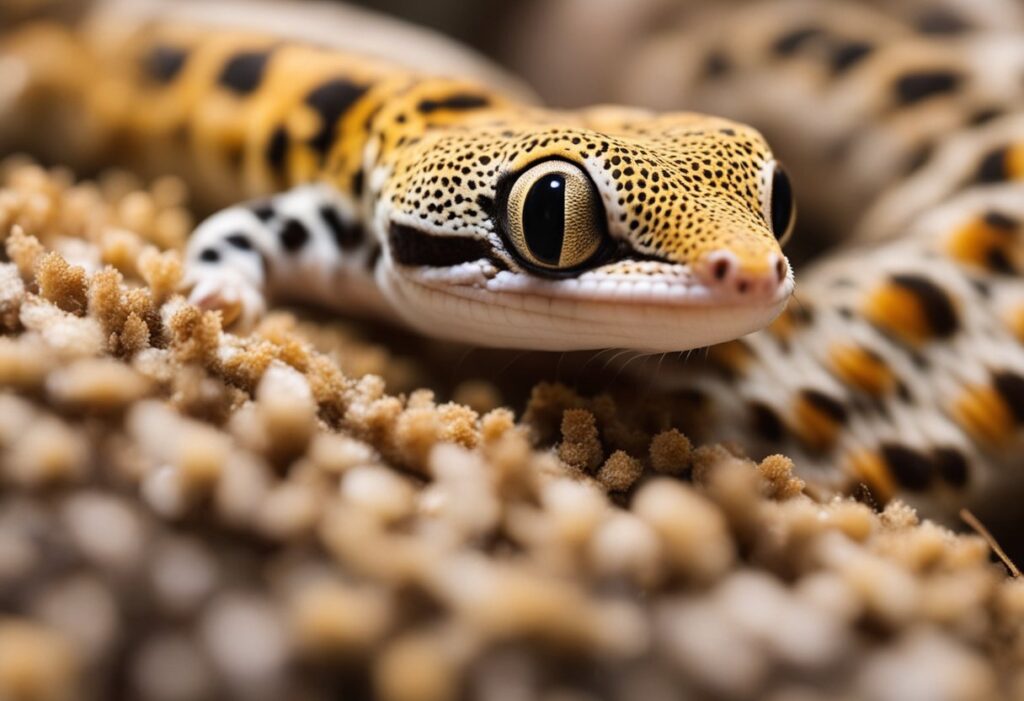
x,y
780,270
743,286
721,269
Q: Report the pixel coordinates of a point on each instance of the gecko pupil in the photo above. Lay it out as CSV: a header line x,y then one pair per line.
x,y
544,218
782,203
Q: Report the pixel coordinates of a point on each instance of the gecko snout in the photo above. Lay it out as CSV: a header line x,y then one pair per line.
x,y
763,277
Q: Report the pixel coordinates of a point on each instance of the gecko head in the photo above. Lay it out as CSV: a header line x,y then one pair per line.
x,y
607,228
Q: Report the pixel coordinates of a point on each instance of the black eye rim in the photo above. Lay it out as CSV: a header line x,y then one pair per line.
x,y
500,216
781,194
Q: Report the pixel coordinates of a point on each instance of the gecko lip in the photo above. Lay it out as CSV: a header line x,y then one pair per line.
x,y
481,306
647,283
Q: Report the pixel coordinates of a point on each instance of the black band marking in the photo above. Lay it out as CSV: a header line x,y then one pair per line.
x,y
331,101
1002,222
164,63
846,56
938,308
414,248
209,255
464,101
828,406
992,168
766,423
277,149
239,241
791,42
911,469
264,211
346,236
1010,387
952,466
243,72
916,87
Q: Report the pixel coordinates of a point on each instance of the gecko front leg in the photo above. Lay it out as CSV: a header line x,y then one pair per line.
x,y
305,245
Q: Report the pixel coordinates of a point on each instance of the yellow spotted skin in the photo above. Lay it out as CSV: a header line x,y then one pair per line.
x,y
243,110
675,188
676,217
901,368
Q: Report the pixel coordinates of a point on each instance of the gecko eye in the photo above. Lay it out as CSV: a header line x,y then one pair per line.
x,y
781,205
554,218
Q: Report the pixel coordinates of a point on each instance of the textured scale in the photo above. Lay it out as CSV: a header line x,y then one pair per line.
x,y
380,188
900,368
415,167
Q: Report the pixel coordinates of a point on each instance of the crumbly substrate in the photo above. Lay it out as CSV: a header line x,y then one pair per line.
x,y
185,514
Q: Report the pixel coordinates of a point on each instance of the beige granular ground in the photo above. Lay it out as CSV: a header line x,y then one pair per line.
x,y
185,514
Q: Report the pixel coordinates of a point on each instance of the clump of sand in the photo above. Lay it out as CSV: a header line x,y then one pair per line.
x,y
186,514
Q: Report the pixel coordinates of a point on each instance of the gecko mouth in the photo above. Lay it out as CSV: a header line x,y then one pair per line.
x,y
645,306
625,282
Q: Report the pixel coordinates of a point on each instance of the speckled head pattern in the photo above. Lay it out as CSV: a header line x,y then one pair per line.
x,y
639,222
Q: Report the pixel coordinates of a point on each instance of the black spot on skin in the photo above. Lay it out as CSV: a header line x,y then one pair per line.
x,y
277,149
716,64
373,257
358,183
938,20
209,255
951,466
164,63
937,306
264,211
1010,387
464,101
847,55
412,247
802,314
916,87
346,236
992,168
1002,222
997,261
243,72
239,241
982,117
791,42
294,235
486,204
766,424
919,158
331,100
826,405
912,470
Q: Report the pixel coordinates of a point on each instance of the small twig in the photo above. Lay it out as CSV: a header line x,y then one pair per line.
x,y
972,521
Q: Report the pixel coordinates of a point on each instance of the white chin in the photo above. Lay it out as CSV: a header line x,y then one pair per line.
x,y
534,322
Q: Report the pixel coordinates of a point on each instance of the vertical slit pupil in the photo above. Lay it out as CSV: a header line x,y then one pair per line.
x,y
544,218
782,203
